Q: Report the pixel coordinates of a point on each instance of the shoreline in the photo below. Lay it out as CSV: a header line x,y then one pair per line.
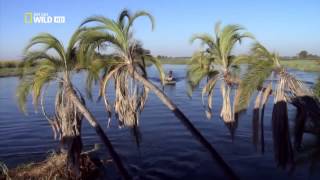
x,y
14,69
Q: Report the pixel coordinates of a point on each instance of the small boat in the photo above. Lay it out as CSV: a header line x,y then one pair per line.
x,y
171,82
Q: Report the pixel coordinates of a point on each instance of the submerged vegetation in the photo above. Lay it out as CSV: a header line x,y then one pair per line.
x,y
108,52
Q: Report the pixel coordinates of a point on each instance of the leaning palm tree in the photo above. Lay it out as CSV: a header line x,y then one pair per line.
x,y
127,68
287,90
216,62
55,65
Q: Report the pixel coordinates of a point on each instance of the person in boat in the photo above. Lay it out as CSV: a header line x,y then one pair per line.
x,y
169,76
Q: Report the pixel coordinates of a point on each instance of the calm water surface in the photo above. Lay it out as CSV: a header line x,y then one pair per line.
x,y
166,150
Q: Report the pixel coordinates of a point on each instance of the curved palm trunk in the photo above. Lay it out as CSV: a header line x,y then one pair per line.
x,y
93,122
226,111
186,122
69,122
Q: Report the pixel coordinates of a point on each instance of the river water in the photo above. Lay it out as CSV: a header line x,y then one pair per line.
x,y
166,149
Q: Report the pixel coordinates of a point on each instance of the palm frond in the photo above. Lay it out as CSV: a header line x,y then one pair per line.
x,y
208,89
198,68
261,52
49,42
156,62
251,81
45,73
22,92
141,14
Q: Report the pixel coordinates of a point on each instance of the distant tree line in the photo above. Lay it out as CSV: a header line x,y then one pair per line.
x,y
302,55
305,55
172,57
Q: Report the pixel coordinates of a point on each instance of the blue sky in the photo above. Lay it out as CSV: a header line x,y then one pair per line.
x,y
285,26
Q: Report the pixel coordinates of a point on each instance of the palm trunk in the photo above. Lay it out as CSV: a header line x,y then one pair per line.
x,y
226,111
187,123
93,122
69,121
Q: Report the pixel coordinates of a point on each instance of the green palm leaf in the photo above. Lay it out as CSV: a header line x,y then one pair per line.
x,y
251,81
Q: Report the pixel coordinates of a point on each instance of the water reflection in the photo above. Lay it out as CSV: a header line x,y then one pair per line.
x,y
309,155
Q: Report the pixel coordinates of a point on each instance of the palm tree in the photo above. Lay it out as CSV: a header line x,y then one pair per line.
x,y
128,70
55,65
215,62
287,90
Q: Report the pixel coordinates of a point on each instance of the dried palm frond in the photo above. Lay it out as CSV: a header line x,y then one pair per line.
x,y
255,120
130,96
280,127
127,54
66,125
288,90
306,104
4,172
265,97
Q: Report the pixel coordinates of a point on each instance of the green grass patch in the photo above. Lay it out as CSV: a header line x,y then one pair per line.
x,y
302,64
299,64
174,60
13,68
